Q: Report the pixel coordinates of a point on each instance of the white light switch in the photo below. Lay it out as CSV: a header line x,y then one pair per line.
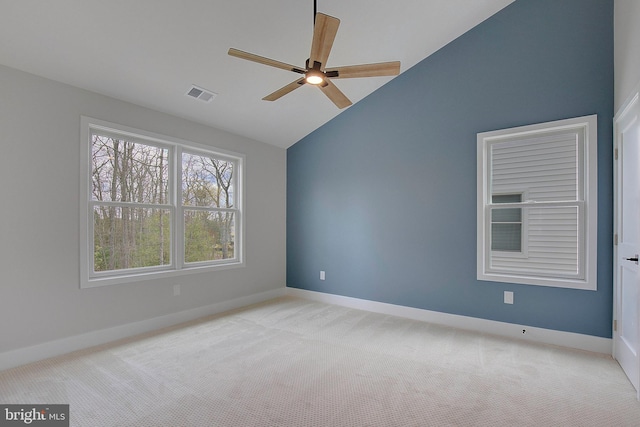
x,y
176,290
321,275
508,297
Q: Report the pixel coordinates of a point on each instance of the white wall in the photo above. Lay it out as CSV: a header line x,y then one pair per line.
x,y
40,298
627,49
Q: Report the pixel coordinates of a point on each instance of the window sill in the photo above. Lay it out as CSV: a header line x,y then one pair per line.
x,y
96,282
580,284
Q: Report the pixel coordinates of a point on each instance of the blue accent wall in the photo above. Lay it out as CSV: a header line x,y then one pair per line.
x,y
383,197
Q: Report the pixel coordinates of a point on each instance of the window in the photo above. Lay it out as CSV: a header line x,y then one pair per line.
x,y
155,206
537,204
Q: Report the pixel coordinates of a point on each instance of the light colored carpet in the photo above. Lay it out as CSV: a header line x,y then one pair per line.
x,y
292,362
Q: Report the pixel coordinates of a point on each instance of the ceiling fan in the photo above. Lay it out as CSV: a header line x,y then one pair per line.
x,y
315,71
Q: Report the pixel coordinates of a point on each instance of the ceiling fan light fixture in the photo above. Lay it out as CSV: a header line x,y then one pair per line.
x,y
314,77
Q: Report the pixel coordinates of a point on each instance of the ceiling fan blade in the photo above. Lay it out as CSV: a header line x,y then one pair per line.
x,y
266,61
324,32
335,94
366,70
284,90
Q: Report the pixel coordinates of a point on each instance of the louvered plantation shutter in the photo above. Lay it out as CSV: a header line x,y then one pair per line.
x,y
542,169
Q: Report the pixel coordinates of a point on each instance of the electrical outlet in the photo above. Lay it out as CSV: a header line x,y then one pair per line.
x,y
508,297
321,274
176,290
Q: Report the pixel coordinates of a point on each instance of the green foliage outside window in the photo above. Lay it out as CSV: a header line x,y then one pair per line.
x,y
132,209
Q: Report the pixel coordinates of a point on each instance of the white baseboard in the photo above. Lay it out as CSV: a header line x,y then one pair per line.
x,y
511,330
45,350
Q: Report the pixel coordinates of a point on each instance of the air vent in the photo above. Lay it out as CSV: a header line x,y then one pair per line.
x,y
201,94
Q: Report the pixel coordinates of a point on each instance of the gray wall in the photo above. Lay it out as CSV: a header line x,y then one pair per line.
x,y
383,197
627,49
40,299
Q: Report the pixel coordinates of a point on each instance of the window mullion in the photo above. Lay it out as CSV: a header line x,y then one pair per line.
x,y
178,222
210,208
93,203
545,204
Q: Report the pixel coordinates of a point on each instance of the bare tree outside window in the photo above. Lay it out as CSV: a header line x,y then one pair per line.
x,y
130,186
156,206
207,197
132,210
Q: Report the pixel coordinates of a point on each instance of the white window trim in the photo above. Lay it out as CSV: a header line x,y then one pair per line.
x,y
587,278
177,267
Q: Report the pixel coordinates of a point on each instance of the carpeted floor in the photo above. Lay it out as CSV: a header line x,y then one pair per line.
x,y
292,362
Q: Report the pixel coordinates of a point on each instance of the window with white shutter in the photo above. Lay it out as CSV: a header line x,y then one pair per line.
x,y
537,204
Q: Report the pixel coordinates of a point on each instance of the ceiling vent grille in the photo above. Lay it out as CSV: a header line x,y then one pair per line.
x,y
201,94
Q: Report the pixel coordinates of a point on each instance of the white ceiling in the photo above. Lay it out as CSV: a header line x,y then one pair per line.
x,y
150,52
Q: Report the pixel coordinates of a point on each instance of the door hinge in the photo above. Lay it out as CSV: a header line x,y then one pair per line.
x,y
615,154
615,325
615,239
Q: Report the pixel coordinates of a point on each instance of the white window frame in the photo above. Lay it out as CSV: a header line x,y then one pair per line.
x,y
587,204
177,267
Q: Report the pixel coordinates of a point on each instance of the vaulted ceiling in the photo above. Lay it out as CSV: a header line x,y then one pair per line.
x,y
150,52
